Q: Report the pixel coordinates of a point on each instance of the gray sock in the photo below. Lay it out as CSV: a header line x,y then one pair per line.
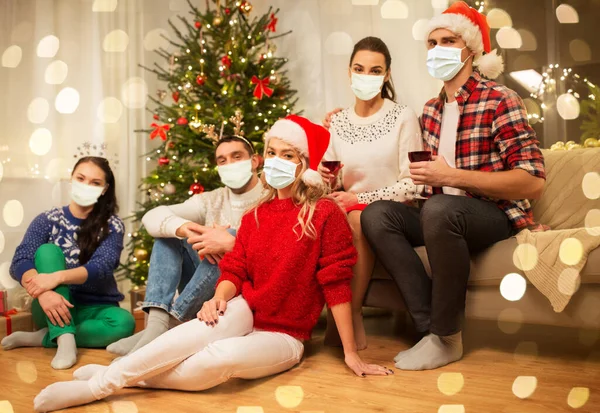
x,y
158,323
405,353
124,346
435,351
24,339
66,353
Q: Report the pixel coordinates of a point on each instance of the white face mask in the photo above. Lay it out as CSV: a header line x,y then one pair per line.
x,y
236,175
366,87
280,173
85,195
444,63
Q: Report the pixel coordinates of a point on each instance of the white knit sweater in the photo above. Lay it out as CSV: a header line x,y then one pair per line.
x,y
221,207
374,152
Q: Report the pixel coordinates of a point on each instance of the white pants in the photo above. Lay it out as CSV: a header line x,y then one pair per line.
x,y
194,356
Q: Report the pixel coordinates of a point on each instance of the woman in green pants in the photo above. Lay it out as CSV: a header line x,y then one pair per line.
x,y
66,262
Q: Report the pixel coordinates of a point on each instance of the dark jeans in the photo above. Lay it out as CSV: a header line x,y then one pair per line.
x,y
451,228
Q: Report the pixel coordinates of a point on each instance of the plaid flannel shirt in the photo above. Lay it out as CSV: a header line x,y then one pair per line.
x,y
493,135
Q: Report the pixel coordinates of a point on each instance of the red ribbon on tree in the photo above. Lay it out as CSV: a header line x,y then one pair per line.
x,y
262,87
272,26
160,130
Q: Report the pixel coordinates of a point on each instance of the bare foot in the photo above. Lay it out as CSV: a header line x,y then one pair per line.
x,y
359,331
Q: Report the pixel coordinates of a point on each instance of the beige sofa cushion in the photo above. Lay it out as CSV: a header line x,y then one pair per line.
x,y
489,267
563,204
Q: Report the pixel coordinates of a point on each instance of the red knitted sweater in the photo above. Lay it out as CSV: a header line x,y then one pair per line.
x,y
287,281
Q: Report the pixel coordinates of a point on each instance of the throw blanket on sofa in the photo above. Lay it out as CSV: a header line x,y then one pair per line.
x,y
560,257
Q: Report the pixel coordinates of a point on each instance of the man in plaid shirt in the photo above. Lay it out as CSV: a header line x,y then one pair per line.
x,y
486,165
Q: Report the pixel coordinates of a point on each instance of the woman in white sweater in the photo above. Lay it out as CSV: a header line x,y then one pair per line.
x,y
371,139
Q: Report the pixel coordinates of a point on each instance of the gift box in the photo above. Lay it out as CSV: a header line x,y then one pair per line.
x,y
140,319
3,302
13,320
137,298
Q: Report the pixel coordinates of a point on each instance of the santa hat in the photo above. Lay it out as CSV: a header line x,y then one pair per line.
x,y
473,28
310,139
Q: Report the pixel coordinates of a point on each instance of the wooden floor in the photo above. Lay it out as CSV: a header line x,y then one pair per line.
x,y
560,359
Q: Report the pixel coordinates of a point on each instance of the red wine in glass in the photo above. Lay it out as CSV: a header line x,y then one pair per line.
x,y
419,156
333,166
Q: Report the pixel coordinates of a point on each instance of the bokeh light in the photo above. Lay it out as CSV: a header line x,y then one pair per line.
x,y
134,93
419,30
67,100
451,408
12,56
580,50
510,320
6,280
157,39
56,72
48,46
6,407
289,397
525,257
569,281
498,18
27,371
513,287
571,251
568,106
104,6
2,242
394,9
591,185
13,213
40,141
592,222
450,383
124,407
250,409
578,397
339,44
524,386
116,41
509,38
38,110
110,110
566,14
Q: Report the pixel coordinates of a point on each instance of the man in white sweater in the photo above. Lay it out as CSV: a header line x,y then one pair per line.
x,y
191,238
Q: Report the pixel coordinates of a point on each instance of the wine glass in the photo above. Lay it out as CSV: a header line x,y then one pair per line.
x,y
334,167
419,156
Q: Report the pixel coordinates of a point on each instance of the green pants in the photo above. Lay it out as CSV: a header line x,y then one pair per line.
x,y
94,326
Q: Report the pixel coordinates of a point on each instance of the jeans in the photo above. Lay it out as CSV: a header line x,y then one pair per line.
x,y
194,356
451,228
175,266
94,325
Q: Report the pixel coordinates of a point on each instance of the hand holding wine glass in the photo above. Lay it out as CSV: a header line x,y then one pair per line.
x,y
329,171
419,156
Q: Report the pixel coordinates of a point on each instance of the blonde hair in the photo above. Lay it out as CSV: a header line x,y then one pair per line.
x,y
302,194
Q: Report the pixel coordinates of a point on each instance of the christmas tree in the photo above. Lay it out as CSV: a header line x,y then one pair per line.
x,y
223,79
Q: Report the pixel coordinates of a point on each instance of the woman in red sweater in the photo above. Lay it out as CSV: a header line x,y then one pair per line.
x,y
293,254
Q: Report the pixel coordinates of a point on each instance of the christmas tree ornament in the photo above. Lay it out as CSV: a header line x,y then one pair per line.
x,y
141,254
226,61
171,145
262,87
591,143
160,131
182,121
155,116
217,20
272,25
196,188
201,79
195,126
227,11
175,96
161,94
198,24
245,7
163,161
169,189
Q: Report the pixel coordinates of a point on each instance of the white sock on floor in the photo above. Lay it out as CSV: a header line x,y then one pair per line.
x,y
63,394
434,352
66,353
86,372
158,324
408,352
24,339
124,346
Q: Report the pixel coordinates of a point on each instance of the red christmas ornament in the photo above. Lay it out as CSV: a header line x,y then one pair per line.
x,y
228,11
226,61
198,25
262,87
155,116
196,188
171,145
182,121
272,26
163,161
201,80
175,96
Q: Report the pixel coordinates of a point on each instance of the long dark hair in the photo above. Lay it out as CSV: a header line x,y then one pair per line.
x,y
94,228
375,44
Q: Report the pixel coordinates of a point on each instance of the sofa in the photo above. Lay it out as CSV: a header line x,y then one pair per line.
x,y
563,205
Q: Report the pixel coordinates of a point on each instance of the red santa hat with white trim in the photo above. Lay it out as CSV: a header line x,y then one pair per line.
x,y
473,28
310,139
